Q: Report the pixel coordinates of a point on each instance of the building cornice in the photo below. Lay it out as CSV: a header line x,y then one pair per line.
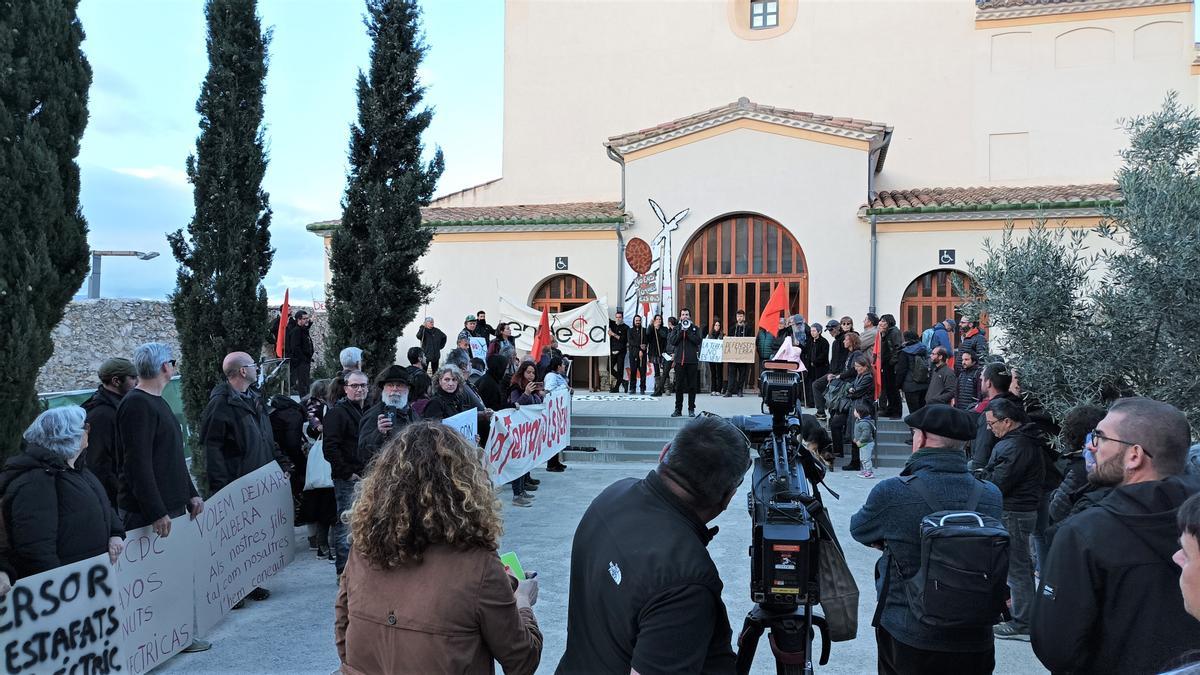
x,y
939,214
1031,10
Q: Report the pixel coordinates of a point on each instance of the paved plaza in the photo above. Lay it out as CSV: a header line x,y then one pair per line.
x,y
292,631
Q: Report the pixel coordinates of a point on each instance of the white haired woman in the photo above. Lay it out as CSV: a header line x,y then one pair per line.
x,y
54,513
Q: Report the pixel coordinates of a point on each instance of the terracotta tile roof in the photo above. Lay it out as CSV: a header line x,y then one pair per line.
x,y
1005,9
994,198
576,213
996,4
747,108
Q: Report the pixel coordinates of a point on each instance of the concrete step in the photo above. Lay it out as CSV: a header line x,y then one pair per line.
x,y
618,431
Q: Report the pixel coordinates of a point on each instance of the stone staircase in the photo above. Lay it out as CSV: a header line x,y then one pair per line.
x,y
640,438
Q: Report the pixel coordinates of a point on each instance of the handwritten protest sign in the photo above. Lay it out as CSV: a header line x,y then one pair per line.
x,y
154,594
479,348
738,350
466,423
522,438
711,350
65,620
246,537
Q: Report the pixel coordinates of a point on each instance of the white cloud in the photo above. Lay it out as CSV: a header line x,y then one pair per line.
x,y
166,174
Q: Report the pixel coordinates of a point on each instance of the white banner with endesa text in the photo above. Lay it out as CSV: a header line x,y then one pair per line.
x,y
579,332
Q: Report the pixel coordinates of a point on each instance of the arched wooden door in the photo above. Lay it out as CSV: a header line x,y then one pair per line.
x,y
562,293
930,299
734,263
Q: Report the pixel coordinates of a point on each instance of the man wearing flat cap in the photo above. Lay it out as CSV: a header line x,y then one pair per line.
x,y
393,411
102,456
890,521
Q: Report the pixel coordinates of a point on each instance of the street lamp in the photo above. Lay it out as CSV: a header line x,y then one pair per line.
x,y
94,283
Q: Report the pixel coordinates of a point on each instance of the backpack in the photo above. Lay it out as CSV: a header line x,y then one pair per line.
x,y
837,396
963,578
919,370
927,339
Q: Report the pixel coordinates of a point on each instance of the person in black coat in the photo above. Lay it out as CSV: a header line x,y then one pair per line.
x,y
684,341
433,341
862,387
716,370
419,381
637,356
339,434
656,343
393,411
491,386
298,348
618,348
55,513
102,456
966,396
235,429
890,344
287,428
816,360
482,329
738,371
447,399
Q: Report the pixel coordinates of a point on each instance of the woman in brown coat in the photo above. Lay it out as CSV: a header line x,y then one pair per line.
x,y
423,590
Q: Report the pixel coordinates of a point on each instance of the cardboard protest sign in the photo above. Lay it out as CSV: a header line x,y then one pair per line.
x,y
466,423
246,536
154,594
522,438
738,350
479,348
711,350
579,332
65,620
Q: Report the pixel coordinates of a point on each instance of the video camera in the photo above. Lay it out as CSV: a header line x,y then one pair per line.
x,y
785,541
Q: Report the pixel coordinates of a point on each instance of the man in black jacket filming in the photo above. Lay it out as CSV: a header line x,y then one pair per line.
x,y
684,341
1109,596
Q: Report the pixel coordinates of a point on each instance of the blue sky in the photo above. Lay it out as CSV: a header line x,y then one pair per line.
x,y
148,61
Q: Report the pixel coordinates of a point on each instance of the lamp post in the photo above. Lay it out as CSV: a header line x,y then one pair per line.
x,y
94,283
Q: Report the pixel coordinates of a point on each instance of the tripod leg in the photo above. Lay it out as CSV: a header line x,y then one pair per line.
x,y
752,630
790,645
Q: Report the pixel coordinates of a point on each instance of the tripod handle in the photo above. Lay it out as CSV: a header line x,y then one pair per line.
x,y
818,622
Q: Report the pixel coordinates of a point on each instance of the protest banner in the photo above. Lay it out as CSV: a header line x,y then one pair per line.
x,y
711,350
579,332
465,423
522,438
246,536
65,620
479,348
738,350
154,595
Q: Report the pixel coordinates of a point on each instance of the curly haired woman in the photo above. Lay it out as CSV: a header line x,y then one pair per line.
x,y
423,590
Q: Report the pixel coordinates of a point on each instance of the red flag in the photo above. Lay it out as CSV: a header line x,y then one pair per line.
x,y
284,313
875,365
541,338
778,304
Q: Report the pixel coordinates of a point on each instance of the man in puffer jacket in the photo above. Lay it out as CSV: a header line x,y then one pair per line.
x,y
967,395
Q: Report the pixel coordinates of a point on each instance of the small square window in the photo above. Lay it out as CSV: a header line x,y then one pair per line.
x,y
764,14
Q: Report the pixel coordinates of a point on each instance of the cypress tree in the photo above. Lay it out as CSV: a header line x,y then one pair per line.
x,y
219,303
376,288
44,80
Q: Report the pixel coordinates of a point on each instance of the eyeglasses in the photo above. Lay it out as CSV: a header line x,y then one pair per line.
x,y
172,362
991,423
847,323
1094,438
356,386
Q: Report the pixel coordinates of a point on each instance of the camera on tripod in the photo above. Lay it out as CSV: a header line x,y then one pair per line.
x,y
784,550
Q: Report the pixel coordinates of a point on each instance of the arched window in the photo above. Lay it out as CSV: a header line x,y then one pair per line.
x,y
930,299
561,293
734,263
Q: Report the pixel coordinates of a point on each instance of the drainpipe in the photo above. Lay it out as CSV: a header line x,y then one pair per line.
x,y
874,234
612,154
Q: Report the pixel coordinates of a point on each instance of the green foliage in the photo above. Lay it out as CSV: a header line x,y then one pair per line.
x,y
219,303
44,80
376,288
1087,327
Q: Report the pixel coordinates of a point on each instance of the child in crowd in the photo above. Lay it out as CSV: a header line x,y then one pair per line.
x,y
864,436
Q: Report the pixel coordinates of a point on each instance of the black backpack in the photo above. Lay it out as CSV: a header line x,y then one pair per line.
x,y
963,578
919,371
837,396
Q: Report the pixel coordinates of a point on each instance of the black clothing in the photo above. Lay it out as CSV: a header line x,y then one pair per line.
x,y
839,354
237,436
419,383
155,480
985,440
656,343
102,455
640,574
687,382
811,431
433,341
716,370
340,436
620,341
370,441
1017,467
442,405
1109,598
287,428
897,658
483,330
491,386
816,357
685,344
298,348
618,348
54,515
637,359
737,371
889,353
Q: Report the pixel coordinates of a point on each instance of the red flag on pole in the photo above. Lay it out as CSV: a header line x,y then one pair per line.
x,y
875,365
541,338
778,304
284,313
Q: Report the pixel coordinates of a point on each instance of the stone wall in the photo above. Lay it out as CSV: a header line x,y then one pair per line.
x,y
94,330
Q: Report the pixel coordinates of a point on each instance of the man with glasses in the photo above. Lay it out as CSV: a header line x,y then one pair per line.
x,y
1017,467
236,433
1109,596
339,436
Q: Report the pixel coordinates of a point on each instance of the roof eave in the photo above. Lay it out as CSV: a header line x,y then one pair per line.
x,y
1048,210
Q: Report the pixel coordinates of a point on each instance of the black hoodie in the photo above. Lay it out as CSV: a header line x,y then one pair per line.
x,y
1109,598
103,454
1017,467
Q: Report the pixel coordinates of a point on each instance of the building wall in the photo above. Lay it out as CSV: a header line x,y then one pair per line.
x,y
995,104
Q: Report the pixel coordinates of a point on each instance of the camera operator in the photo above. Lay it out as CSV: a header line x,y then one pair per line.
x,y
684,341
890,520
645,594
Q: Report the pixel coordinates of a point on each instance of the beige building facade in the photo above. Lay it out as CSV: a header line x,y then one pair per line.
x,y
860,152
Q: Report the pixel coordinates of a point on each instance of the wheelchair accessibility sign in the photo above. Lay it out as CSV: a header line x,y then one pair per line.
x,y
946,256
